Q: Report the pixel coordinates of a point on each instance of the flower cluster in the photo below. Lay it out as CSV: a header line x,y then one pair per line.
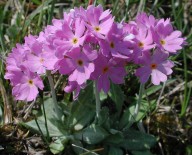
x,y
154,40
87,44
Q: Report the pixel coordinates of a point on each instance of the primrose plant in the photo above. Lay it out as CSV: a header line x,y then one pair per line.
x,y
88,45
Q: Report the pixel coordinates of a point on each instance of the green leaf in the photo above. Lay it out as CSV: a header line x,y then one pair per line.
x,y
114,139
81,115
92,134
115,151
135,141
35,12
13,31
153,89
86,95
55,126
147,152
104,119
189,149
1,115
102,96
52,128
36,2
59,145
83,110
78,150
117,96
128,116
50,111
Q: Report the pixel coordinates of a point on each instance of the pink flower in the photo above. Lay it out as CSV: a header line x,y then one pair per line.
x,y
72,37
16,57
167,39
73,86
157,66
98,21
14,62
40,62
114,44
27,86
50,31
107,69
71,46
14,76
143,42
35,63
143,20
79,64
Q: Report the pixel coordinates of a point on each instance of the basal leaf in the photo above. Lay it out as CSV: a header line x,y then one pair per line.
x,y
57,146
117,96
147,152
115,151
92,134
53,130
128,116
136,140
83,110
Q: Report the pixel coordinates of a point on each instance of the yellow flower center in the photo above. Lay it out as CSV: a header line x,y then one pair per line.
x,y
30,82
153,66
162,42
41,60
75,40
97,28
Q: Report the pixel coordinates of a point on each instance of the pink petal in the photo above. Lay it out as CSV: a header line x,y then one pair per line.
x,y
143,73
67,31
172,48
173,35
66,66
106,25
103,83
33,91
89,69
160,56
157,77
104,14
80,28
81,78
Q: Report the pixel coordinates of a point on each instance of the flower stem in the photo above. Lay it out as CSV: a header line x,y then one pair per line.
x,y
98,103
53,92
95,2
45,117
43,137
137,108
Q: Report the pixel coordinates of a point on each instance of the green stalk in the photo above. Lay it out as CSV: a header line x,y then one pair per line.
x,y
46,126
44,138
95,2
51,12
40,17
186,93
53,93
115,7
126,9
185,101
137,108
138,105
98,103
2,43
